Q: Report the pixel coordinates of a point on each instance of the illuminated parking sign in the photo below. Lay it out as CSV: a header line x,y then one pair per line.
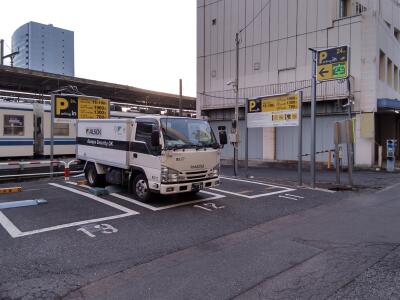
x,y
273,111
333,63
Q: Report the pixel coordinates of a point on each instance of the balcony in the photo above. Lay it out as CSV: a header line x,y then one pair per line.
x,y
329,90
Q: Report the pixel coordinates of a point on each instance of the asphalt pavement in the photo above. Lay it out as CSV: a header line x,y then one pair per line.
x,y
260,238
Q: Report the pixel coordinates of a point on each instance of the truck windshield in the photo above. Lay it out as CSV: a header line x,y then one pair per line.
x,y
187,133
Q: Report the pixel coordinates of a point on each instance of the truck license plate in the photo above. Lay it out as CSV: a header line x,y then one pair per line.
x,y
197,186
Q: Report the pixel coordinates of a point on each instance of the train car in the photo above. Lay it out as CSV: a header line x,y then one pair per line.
x,y
64,134
25,130
16,130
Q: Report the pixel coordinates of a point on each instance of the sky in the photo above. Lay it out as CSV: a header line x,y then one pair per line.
x,y
148,44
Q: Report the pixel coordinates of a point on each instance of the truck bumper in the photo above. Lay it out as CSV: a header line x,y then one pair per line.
x,y
175,188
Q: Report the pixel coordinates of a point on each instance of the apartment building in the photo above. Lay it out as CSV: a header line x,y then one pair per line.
x,y
274,58
44,48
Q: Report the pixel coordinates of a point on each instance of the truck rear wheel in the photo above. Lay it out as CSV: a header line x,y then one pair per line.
x,y
141,188
94,179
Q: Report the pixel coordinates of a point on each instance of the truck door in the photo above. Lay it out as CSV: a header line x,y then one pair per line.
x,y
142,154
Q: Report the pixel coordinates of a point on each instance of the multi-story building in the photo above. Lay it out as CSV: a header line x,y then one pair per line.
x,y
44,48
274,58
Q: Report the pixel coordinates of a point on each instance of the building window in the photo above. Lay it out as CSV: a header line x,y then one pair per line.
x,y
61,129
360,8
214,22
396,78
382,65
13,125
389,72
344,8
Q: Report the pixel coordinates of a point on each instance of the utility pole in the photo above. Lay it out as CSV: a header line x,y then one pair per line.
x,y
236,121
180,97
10,56
1,52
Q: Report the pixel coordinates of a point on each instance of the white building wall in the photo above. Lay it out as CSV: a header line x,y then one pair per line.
x,y
274,55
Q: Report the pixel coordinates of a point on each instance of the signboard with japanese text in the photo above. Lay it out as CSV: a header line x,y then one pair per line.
x,y
333,63
69,108
273,111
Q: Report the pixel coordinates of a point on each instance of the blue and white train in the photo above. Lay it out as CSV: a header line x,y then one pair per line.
x,y
25,131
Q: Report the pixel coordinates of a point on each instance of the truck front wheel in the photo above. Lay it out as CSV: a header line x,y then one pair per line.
x,y
94,179
141,188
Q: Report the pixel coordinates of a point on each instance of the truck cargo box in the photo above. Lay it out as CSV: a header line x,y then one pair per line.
x,y
104,141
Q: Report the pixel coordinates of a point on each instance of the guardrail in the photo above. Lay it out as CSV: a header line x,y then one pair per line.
x,y
67,164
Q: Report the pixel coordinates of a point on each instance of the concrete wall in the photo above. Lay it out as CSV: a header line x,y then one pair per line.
x,y
274,53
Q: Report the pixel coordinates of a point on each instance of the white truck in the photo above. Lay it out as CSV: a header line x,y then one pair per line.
x,y
150,154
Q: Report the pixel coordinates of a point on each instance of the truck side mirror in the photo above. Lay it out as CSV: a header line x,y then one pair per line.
x,y
155,138
223,139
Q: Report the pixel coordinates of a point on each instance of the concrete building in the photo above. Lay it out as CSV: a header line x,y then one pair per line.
x,y
44,48
275,58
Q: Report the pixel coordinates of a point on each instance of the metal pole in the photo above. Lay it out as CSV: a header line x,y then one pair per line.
x,y
180,97
52,135
1,52
350,143
313,112
247,139
349,128
235,163
300,140
337,160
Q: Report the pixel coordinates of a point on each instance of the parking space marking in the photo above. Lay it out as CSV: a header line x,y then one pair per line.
x,y
154,208
295,196
290,198
98,199
79,223
14,232
9,226
281,189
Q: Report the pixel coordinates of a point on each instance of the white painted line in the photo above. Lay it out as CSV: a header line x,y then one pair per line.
x,y
295,196
215,196
295,199
9,226
15,232
133,201
254,182
154,208
98,199
282,189
57,227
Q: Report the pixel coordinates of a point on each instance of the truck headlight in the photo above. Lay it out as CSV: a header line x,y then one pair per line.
x,y
214,171
169,175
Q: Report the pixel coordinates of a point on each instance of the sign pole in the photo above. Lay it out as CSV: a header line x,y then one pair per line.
x,y
349,133
300,140
247,139
180,97
52,135
235,146
337,161
313,112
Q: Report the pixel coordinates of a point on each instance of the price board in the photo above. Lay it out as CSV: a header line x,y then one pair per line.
x,y
273,111
93,108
